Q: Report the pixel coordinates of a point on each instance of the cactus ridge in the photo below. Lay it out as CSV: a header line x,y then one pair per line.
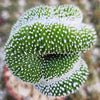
x,y
44,45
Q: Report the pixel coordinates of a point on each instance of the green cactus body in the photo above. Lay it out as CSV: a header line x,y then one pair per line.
x,y
44,45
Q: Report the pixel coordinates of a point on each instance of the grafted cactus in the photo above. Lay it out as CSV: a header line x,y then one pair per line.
x,y
44,47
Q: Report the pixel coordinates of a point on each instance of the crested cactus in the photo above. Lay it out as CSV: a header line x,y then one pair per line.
x,y
44,46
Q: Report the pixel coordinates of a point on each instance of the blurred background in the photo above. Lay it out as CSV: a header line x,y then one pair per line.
x,y
13,89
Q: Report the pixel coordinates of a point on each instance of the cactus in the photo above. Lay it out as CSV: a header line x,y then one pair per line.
x,y
44,49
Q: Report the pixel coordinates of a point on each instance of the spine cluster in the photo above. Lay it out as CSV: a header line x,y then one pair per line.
x,y
44,45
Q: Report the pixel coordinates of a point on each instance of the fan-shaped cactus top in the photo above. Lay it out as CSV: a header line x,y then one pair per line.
x,y
44,46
